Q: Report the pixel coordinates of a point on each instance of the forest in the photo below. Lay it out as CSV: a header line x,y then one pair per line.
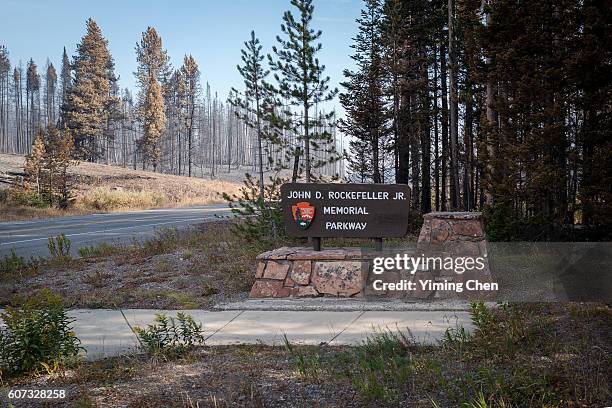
x,y
479,105
491,105
172,123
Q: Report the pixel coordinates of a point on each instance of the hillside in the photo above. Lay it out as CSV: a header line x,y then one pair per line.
x,y
100,187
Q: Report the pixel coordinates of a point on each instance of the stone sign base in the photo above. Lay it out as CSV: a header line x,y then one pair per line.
x,y
347,272
303,272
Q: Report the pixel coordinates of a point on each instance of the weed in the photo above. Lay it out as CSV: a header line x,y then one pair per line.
x,y
208,290
100,250
59,248
183,300
383,364
37,336
169,336
306,365
11,263
97,279
163,266
14,267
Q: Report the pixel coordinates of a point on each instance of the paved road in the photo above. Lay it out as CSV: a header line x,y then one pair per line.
x,y
29,238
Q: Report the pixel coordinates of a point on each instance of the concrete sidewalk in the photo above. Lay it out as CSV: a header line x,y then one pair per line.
x,y
105,333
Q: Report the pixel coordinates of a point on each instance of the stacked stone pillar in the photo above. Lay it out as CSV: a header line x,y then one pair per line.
x,y
453,234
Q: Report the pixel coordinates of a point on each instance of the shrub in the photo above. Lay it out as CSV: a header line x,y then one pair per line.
x,y
13,266
170,336
11,263
261,220
59,247
37,336
30,199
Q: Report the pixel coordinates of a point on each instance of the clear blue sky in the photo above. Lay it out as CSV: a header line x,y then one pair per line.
x,y
212,31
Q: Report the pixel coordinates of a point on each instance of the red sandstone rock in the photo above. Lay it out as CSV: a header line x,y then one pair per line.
x,y
261,265
308,254
266,289
456,234
439,235
470,228
283,292
306,291
338,278
301,272
289,282
276,270
278,253
353,253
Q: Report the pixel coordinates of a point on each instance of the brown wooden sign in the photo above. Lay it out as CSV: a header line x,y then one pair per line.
x,y
345,210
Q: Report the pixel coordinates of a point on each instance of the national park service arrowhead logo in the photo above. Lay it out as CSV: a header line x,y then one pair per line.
x,y
303,214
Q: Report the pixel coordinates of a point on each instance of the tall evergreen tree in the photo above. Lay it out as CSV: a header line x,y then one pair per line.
x,y
191,75
364,99
65,84
301,77
87,98
152,71
112,114
454,107
32,100
50,89
252,107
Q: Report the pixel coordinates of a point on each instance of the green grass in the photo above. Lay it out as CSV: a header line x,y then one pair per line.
x,y
518,356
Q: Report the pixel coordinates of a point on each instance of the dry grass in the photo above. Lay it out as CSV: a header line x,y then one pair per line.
x,y
10,212
191,268
100,187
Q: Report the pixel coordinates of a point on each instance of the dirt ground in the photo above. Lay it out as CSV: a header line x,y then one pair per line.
x,y
237,376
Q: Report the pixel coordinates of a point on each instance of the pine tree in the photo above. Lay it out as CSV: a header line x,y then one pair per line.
x,y
453,101
154,122
364,99
5,69
112,114
32,100
191,75
301,77
65,84
87,98
50,88
252,107
153,69
394,47
47,165
35,162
